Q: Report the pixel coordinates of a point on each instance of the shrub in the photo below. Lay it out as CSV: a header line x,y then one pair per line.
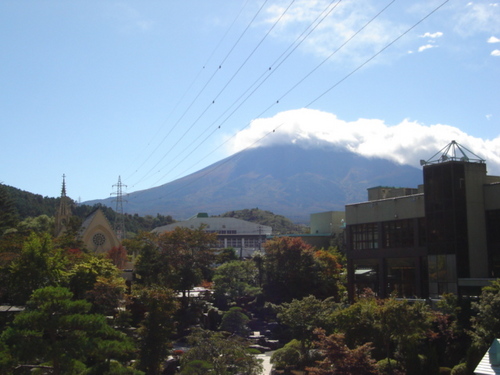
x,y
460,369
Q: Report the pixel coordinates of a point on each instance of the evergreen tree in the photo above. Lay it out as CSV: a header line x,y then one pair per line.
x,y
8,213
221,353
59,334
157,327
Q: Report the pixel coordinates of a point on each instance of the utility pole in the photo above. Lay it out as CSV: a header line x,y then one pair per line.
x,y
119,224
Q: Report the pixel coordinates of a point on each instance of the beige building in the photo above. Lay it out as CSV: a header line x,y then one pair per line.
x,y
442,237
97,234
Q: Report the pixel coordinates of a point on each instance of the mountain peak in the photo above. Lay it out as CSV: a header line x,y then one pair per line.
x,y
288,179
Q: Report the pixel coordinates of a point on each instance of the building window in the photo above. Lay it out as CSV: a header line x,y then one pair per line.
x,y
398,233
366,276
234,242
364,236
401,277
442,274
98,239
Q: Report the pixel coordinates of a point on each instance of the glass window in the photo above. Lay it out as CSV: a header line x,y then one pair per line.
x,y
366,275
364,236
398,233
402,277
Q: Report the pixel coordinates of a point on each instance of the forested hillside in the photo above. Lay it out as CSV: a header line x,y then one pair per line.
x,y
18,205
279,223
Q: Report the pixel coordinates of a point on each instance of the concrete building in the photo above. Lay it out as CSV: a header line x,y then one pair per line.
x,y
243,236
326,229
442,237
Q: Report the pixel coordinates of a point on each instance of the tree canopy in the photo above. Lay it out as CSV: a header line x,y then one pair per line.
x,y
58,333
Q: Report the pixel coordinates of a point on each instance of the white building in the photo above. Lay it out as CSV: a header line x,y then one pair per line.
x,y
243,236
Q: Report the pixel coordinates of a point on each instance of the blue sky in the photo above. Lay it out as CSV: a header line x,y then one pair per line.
x,y
154,90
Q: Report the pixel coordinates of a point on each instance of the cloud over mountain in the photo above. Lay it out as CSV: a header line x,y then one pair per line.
x,y
405,143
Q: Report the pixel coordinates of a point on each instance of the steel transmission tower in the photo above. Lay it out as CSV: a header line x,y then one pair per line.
x,y
119,224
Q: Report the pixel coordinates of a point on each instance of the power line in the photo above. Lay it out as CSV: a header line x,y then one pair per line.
x,y
336,50
228,159
312,26
378,53
353,71
305,77
202,90
227,83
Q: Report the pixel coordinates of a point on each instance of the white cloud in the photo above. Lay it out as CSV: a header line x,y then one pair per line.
x,y
342,23
130,18
427,46
493,39
477,17
437,34
495,52
406,143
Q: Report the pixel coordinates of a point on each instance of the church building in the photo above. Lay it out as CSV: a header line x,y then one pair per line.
x,y
96,232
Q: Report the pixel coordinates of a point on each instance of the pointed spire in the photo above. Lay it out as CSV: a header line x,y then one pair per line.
x,y
63,214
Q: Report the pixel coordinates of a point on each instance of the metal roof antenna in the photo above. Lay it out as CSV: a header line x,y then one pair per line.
x,y
453,152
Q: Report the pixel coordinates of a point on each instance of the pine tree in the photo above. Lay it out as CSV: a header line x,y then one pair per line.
x,y
59,334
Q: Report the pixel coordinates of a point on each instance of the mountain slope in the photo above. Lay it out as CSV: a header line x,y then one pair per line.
x,y
287,180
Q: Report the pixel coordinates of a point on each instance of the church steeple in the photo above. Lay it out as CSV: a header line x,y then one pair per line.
x,y
64,211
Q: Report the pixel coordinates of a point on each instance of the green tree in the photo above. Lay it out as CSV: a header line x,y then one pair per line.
x,y
156,329
190,255
236,280
39,224
289,269
394,327
226,255
235,321
151,266
59,334
330,280
303,317
290,355
108,295
38,265
226,354
179,259
339,359
358,323
8,212
83,276
403,327
486,323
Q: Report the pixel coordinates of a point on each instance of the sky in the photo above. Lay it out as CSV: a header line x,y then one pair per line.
x,y
146,92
